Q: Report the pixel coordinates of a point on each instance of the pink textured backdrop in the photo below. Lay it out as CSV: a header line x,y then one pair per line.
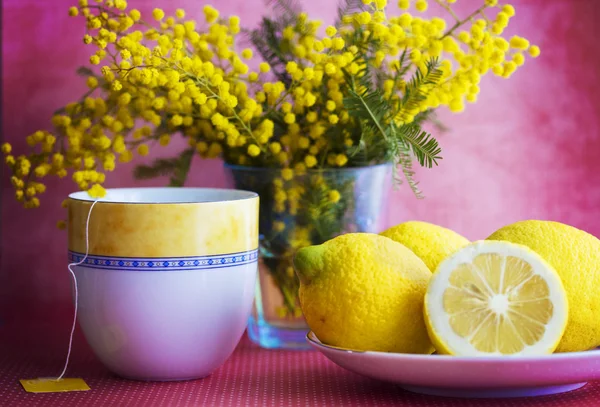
x,y
527,149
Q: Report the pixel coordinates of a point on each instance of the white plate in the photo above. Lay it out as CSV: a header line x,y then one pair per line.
x,y
454,376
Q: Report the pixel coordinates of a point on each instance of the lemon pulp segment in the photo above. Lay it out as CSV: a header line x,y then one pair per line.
x,y
496,298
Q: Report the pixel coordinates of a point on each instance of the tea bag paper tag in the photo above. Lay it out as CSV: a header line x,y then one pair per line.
x,y
51,385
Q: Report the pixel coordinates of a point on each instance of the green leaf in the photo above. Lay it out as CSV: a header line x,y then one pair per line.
x,y
423,146
400,142
85,71
176,168
404,161
268,37
370,107
181,171
414,93
404,64
348,7
285,10
431,117
268,42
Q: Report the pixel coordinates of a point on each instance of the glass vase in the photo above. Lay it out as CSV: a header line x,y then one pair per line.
x,y
297,210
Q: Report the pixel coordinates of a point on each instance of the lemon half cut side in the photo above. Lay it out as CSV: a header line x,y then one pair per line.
x,y
495,298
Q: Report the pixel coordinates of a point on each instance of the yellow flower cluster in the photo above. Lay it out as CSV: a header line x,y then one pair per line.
x,y
171,75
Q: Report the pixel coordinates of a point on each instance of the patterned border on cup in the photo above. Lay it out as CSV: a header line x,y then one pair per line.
x,y
164,263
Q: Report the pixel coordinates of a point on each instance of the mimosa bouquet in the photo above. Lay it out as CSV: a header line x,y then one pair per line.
x,y
291,94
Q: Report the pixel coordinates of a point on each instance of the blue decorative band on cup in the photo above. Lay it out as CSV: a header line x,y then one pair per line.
x,y
165,263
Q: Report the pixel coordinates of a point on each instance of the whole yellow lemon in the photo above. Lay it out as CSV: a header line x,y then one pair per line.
x,y
432,243
363,291
575,255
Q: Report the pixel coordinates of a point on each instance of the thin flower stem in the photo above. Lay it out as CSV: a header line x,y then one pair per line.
x,y
239,119
487,20
131,68
113,14
461,22
273,109
448,9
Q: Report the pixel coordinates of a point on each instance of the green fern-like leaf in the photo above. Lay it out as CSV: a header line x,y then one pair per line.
x,y
268,42
404,161
85,71
325,217
423,117
430,116
403,142
415,92
348,7
359,154
369,76
403,64
285,10
424,147
181,172
268,37
176,168
369,106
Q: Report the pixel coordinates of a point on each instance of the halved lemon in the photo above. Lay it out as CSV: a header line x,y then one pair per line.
x,y
495,298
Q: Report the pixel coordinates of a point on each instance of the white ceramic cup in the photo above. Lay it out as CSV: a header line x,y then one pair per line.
x,y
167,287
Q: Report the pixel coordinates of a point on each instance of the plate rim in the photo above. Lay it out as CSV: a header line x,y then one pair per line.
x,y
312,339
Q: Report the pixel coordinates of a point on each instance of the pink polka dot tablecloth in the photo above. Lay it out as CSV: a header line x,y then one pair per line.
x,y
251,377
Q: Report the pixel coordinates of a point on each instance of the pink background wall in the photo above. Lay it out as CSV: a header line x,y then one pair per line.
x,y
527,149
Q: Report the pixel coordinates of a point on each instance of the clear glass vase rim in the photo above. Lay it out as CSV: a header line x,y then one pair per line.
x,y
249,168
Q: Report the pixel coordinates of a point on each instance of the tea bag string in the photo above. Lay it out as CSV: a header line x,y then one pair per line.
x,y
70,267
